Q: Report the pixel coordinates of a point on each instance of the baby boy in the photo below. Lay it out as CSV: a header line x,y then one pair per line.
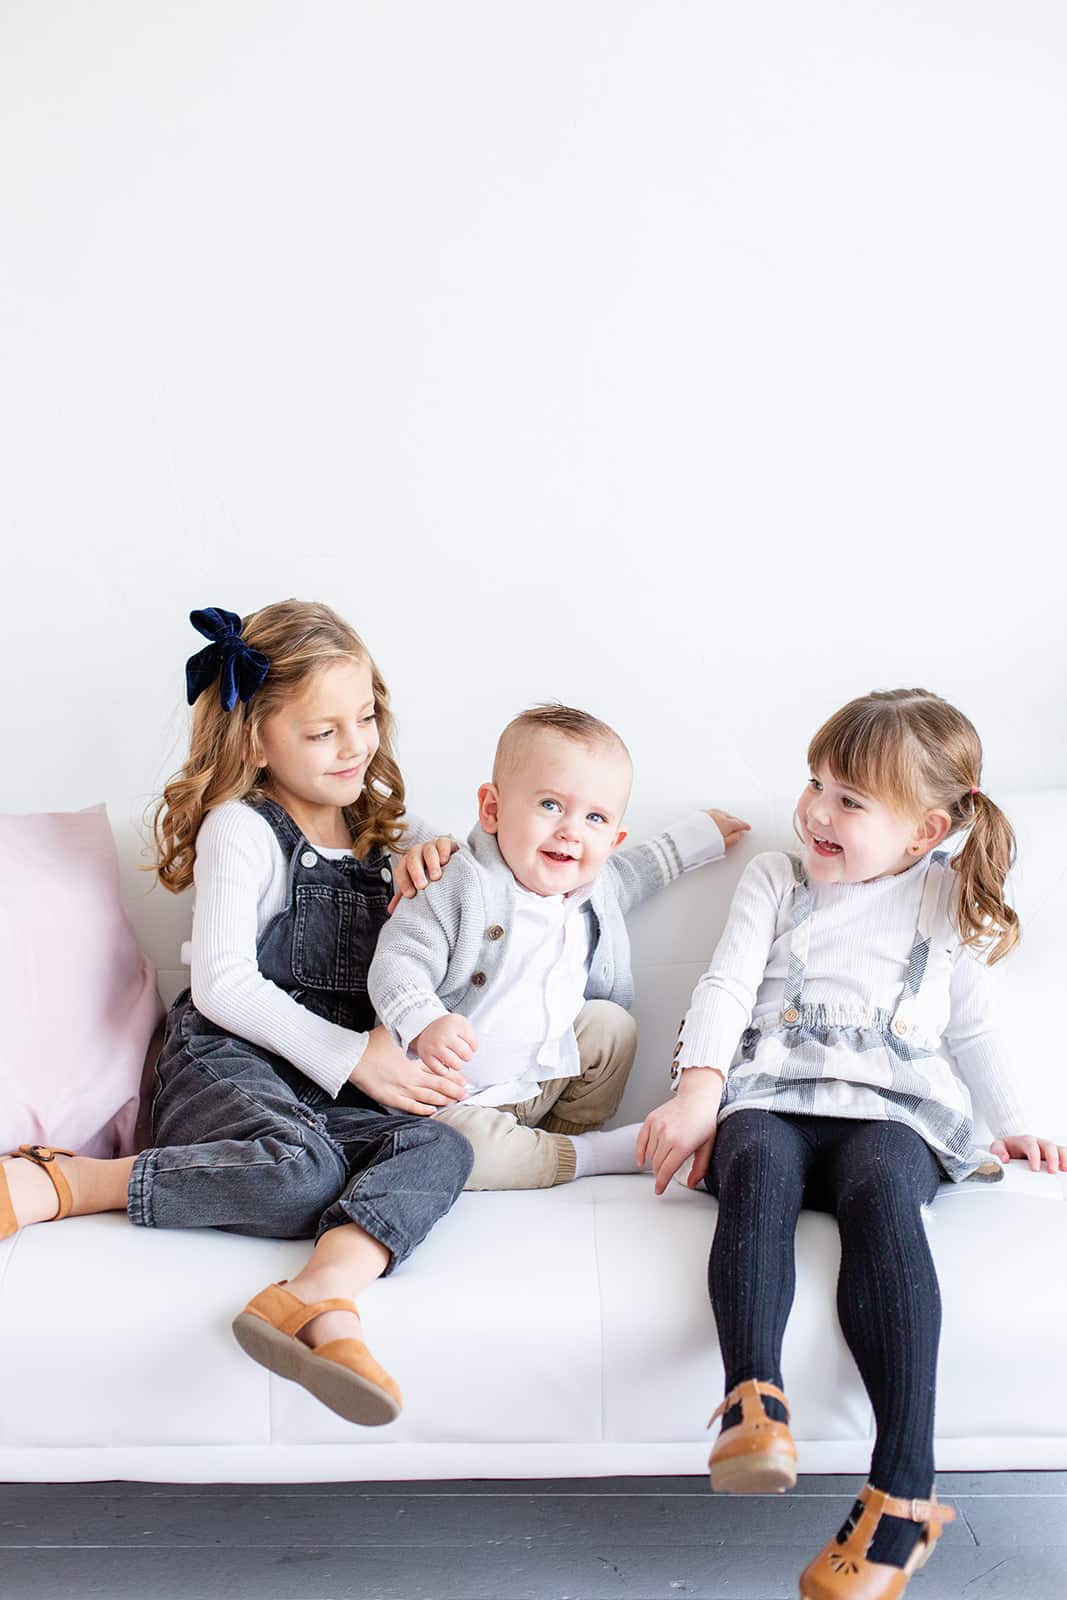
x,y
514,966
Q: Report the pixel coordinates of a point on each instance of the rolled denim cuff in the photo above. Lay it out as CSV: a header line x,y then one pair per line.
x,y
139,1191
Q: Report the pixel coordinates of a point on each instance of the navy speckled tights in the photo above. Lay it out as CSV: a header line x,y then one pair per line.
x,y
874,1177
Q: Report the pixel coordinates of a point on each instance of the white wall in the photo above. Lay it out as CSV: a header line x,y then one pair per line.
x,y
699,363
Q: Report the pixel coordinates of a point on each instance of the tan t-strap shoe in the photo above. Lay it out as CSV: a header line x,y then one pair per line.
x,y
43,1156
756,1455
843,1572
342,1374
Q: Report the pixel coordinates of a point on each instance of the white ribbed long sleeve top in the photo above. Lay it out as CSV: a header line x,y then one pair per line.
x,y
860,943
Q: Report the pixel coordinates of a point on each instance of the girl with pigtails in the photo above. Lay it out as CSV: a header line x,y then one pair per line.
x,y
830,1059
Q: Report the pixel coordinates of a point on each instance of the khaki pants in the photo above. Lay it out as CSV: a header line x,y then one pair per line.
x,y
528,1146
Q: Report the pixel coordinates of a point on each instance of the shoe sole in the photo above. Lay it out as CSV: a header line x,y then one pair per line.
x,y
769,1472
338,1388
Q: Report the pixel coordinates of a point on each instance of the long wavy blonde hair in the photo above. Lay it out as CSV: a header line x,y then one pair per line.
x,y
298,638
918,753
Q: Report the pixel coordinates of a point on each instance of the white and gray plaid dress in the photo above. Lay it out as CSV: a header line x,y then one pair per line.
x,y
854,1000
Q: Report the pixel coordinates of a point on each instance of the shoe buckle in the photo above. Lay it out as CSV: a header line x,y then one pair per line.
x,y
40,1152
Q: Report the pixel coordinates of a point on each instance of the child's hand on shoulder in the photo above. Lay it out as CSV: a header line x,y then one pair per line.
x,y
1024,1147
446,1043
730,827
419,864
683,1126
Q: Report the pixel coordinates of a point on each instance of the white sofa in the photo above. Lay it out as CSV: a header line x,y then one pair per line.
x,y
559,1333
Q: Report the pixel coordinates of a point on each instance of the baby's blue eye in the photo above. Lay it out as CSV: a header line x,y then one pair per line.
x,y
324,735
372,718
596,816
547,803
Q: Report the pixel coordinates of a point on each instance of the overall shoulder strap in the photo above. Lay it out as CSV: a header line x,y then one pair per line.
x,y
282,825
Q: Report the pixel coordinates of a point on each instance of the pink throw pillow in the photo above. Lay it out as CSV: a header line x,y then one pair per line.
x,y
78,998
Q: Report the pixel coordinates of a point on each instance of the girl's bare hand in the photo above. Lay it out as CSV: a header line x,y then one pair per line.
x,y
1024,1147
683,1126
384,1072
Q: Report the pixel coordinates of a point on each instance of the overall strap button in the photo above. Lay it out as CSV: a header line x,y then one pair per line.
x,y
900,1028
309,859
478,979
792,1015
495,932
386,873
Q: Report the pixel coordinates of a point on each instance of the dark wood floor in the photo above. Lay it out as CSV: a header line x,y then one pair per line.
x,y
574,1539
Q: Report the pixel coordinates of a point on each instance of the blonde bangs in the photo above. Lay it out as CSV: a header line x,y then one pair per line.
x,y
867,747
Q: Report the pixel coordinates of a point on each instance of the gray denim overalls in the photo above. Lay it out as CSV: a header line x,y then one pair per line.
x,y
244,1141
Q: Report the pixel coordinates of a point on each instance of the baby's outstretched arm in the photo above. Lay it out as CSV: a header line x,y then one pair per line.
x,y
641,870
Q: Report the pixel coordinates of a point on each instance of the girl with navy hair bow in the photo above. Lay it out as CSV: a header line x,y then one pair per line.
x,y
280,1108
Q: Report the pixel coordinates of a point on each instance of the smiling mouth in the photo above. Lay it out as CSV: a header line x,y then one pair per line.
x,y
824,847
558,857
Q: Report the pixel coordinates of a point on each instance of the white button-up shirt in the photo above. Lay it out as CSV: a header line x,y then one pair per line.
x,y
524,1024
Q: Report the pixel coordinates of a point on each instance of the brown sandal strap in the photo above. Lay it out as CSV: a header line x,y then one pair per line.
x,y
931,1511
44,1156
876,1504
745,1395
288,1313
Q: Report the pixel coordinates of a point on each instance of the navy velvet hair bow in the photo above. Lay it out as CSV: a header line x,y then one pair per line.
x,y
239,669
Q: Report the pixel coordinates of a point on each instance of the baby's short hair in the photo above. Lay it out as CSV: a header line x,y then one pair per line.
x,y
552,717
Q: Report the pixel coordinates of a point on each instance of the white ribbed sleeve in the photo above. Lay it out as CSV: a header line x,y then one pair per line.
x,y
973,1040
722,1002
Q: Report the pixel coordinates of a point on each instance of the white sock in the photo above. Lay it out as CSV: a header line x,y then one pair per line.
x,y
600,1153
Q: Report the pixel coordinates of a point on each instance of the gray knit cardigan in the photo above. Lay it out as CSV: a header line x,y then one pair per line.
x,y
440,950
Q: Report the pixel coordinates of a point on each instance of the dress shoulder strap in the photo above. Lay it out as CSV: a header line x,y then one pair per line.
x,y
932,907
799,939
